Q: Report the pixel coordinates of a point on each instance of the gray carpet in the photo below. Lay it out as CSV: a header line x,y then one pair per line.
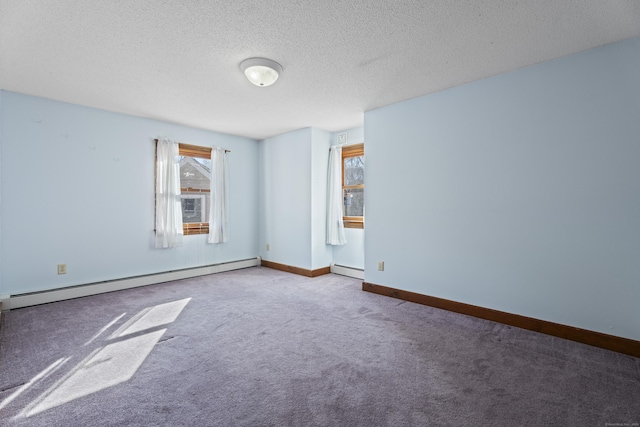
x,y
259,347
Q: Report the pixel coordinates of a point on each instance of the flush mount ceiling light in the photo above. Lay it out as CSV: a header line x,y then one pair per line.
x,y
261,71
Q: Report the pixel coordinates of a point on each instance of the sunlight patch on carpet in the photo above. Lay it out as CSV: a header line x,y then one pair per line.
x,y
110,366
107,326
50,369
106,366
152,317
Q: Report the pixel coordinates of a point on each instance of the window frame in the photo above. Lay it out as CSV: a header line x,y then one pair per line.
x,y
355,150
187,150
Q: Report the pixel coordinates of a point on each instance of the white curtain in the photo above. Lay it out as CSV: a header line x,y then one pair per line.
x,y
335,225
219,213
168,207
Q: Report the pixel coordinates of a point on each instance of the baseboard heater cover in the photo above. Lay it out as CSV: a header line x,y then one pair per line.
x,y
53,295
343,270
596,339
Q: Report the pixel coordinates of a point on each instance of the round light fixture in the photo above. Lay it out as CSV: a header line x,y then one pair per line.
x,y
261,71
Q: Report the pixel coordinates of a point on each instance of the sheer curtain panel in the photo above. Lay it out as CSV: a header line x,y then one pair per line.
x,y
219,213
168,206
335,226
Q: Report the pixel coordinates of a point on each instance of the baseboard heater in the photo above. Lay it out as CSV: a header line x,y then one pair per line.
x,y
43,297
343,270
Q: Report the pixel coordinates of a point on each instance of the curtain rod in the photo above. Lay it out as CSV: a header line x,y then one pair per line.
x,y
339,145
225,150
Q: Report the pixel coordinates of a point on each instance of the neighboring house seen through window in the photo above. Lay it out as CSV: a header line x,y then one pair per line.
x,y
195,188
353,185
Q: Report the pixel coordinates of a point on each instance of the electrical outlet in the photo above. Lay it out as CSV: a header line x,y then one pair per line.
x,y
268,247
380,265
62,268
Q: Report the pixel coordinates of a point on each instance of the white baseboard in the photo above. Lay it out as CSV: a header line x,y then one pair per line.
x,y
356,273
25,300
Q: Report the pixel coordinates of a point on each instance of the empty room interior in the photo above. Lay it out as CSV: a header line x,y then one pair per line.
x,y
355,213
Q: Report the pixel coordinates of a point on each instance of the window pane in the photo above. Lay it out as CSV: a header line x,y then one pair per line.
x,y
353,202
195,173
354,170
195,207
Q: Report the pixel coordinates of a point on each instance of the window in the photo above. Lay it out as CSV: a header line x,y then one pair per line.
x,y
193,208
353,185
195,188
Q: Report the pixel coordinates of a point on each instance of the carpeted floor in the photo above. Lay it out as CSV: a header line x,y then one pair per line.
x,y
259,347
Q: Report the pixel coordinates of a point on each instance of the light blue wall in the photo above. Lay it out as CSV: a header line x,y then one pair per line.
x,y
78,188
293,194
2,294
354,136
519,193
285,198
321,253
351,254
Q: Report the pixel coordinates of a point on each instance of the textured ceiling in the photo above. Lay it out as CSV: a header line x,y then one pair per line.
x,y
179,60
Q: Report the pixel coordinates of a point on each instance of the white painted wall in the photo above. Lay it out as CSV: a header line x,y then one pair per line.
x,y
519,193
285,198
351,254
78,188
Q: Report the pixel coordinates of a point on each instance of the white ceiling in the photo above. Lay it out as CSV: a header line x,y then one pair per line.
x,y
178,60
